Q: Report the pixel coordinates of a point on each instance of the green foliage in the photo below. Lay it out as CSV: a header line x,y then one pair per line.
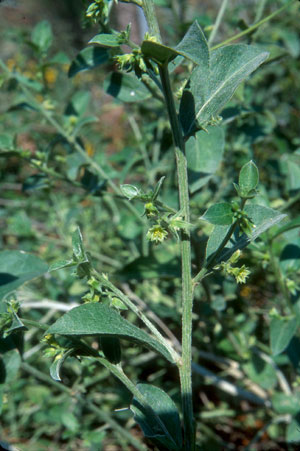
x,y
101,320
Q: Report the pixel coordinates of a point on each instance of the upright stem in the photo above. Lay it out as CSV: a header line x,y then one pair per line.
x,y
149,11
185,369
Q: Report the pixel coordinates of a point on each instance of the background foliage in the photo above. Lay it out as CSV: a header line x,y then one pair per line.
x,y
246,343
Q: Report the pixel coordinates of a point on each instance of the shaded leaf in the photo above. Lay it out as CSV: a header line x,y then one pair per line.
x,y
87,59
293,224
16,268
56,366
204,153
261,372
262,217
163,426
281,333
219,214
126,88
293,430
101,320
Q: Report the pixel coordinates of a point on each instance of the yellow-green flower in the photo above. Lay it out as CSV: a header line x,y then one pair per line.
x,y
240,274
157,233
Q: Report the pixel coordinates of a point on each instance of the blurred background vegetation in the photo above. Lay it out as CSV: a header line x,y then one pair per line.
x,y
132,143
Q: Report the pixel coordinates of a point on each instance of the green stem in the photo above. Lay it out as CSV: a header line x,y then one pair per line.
x,y
125,299
149,11
105,417
218,21
185,369
29,322
253,27
280,279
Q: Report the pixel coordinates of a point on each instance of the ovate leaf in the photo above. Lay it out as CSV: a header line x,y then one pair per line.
x,y
194,46
163,424
208,91
16,268
219,214
293,431
204,153
281,333
42,35
126,88
262,217
284,404
101,320
248,178
106,39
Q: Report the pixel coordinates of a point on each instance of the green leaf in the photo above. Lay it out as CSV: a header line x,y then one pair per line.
x,y
35,182
284,404
219,214
16,268
106,39
130,191
126,88
293,175
101,320
111,349
56,366
248,178
281,333
194,46
262,217
208,91
10,362
78,248
163,427
204,153
293,224
158,52
149,268
31,84
261,372
78,104
42,35
293,430
60,264
88,58
215,239
7,141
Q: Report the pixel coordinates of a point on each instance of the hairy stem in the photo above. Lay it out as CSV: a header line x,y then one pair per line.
x,y
149,11
185,369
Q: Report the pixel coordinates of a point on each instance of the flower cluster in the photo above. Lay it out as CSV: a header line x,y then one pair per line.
x,y
239,273
132,61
